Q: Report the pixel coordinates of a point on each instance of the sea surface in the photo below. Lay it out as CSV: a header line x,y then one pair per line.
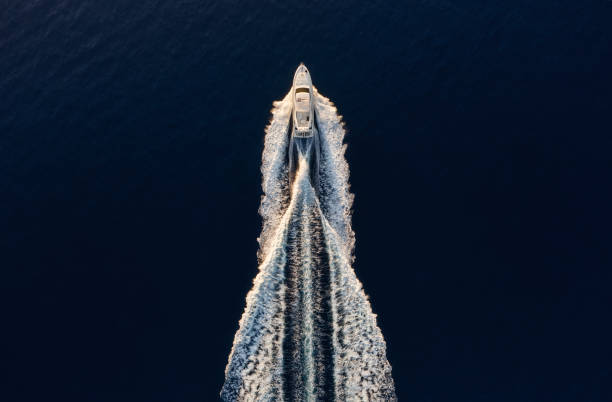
x,y
479,137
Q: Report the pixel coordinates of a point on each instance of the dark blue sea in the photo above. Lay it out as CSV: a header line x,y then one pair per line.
x,y
479,142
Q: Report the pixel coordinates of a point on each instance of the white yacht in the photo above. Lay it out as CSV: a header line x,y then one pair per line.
x,y
303,108
304,141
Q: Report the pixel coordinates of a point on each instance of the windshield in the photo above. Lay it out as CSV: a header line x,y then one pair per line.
x,y
300,90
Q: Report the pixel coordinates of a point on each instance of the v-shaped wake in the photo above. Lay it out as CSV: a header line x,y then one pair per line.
x,y
308,332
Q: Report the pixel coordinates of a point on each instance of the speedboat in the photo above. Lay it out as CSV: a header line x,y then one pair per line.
x,y
304,141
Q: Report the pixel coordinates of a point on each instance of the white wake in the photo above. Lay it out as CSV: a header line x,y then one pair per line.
x,y
308,332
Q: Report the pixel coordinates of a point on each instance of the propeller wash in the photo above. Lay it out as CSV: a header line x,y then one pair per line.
x,y
308,332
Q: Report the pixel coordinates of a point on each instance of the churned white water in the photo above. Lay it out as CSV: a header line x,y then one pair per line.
x,y
308,332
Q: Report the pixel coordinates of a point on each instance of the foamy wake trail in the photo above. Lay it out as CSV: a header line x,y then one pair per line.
x,y
308,332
